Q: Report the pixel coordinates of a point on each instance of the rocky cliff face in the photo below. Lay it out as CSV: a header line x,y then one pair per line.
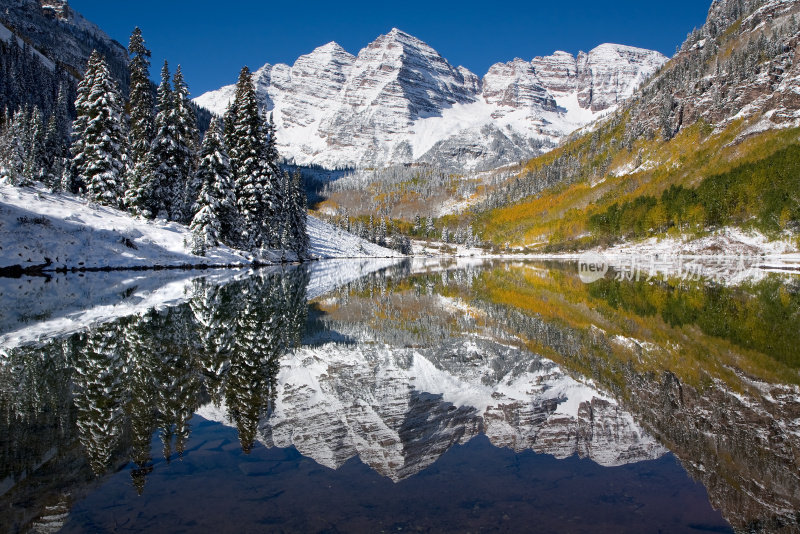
x,y
400,101
400,409
62,35
741,64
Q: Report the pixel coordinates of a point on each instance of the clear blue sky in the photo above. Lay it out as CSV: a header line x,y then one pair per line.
x,y
212,40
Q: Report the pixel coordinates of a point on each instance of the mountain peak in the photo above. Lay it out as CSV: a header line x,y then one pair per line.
x,y
400,101
613,48
397,32
402,38
330,48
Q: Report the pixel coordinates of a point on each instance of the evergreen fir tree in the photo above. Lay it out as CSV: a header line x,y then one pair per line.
x,y
186,134
299,216
381,236
139,186
99,148
33,144
163,157
214,219
246,149
275,190
54,160
141,98
12,153
140,183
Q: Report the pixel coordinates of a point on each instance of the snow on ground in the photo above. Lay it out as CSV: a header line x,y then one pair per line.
x,y
438,248
328,241
72,232
729,256
725,241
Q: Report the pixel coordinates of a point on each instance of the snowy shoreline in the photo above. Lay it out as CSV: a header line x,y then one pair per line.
x,y
729,255
43,232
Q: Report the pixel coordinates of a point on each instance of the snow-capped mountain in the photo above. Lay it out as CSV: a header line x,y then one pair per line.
x,y
400,409
400,101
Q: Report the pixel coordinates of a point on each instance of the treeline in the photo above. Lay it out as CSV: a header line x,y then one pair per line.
x,y
146,156
381,190
396,233
763,193
578,159
25,80
384,232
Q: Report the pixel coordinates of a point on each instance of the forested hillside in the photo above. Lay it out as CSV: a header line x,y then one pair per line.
x,y
711,140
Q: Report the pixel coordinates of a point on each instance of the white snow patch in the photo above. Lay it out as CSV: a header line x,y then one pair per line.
x,y
328,241
72,232
36,224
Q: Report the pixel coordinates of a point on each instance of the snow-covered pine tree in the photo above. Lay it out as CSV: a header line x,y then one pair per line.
x,y
140,185
160,201
430,227
215,216
142,128
33,169
246,148
283,216
299,216
141,98
187,134
276,222
380,238
12,152
100,138
57,142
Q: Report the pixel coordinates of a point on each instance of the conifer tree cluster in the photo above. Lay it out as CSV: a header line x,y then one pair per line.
x,y
270,210
33,149
147,156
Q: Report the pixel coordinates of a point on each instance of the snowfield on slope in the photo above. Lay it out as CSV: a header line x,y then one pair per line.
x,y
37,226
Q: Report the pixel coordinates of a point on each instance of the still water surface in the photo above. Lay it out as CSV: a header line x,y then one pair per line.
x,y
504,397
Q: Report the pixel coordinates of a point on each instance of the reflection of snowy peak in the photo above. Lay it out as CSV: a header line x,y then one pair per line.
x,y
398,410
399,101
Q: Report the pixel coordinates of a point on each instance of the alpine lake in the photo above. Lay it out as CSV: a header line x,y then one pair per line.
x,y
439,396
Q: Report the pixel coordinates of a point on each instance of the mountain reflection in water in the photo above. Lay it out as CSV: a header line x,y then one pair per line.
x,y
489,397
